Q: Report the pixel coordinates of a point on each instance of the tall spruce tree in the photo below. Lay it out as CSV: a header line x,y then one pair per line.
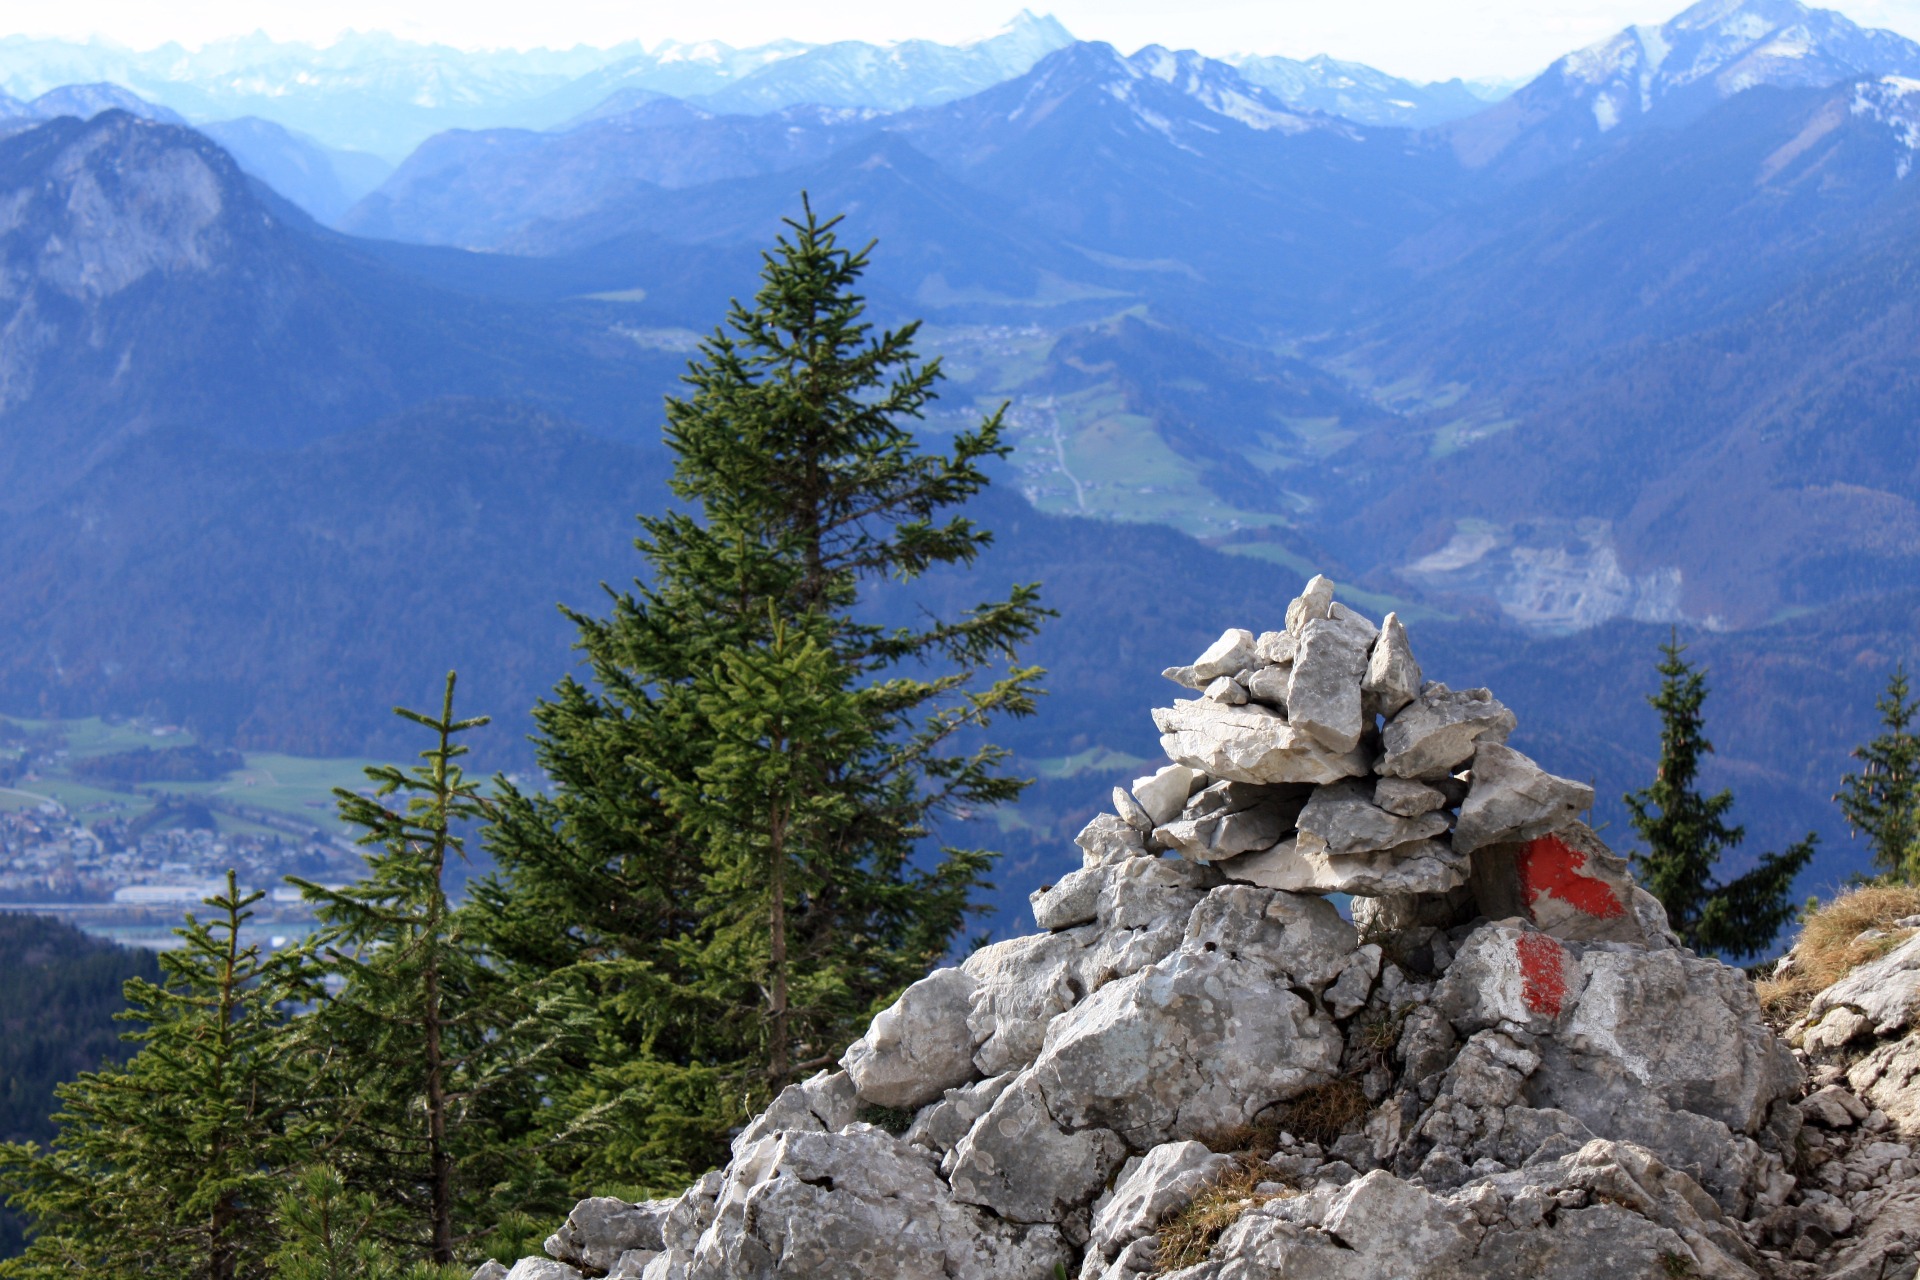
x,y
1883,799
733,838
438,1058
168,1166
1687,832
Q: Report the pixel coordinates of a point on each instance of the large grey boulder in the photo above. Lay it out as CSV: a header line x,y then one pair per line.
x,y
1193,1046
1570,885
491,1269
1657,1047
1305,865
601,1229
1607,1209
1299,938
919,1046
1436,733
808,1206
1513,798
1885,991
1249,743
1346,821
1231,818
1020,986
1149,1188
1022,1163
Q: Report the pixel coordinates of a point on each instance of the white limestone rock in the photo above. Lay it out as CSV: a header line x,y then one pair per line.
x,y
1885,991
542,1269
1165,793
1231,818
1347,821
939,1125
1604,1017
1109,839
602,1228
1323,685
491,1269
633,1264
1276,648
1513,798
1196,1045
1231,653
822,1103
1131,812
1020,985
1268,686
1074,900
801,1206
1249,744
1406,798
1305,865
1299,938
919,1046
1314,601
1888,1077
1021,1162
1393,676
1149,1188
1227,691
1436,733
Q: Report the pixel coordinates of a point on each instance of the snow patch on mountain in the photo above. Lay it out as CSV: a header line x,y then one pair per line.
x,y
1895,102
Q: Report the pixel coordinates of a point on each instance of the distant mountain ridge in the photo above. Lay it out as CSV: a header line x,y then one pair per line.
x,y
376,93
1707,53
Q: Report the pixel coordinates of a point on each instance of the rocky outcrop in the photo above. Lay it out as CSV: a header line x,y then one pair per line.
x,y
1502,1066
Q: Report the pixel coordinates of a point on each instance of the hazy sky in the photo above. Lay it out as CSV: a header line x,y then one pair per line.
x,y
1425,39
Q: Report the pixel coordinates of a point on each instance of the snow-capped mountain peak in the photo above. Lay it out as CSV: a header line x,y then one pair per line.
x,y
1709,52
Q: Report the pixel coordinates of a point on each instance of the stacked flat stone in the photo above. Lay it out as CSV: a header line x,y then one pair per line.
x,y
1316,760
1552,1087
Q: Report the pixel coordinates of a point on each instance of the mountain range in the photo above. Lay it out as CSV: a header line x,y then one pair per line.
x,y
1516,375
375,93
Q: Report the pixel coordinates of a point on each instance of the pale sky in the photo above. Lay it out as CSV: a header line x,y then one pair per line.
x,y
1422,39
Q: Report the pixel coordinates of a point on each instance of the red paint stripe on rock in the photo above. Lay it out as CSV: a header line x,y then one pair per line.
x,y
1550,868
1543,973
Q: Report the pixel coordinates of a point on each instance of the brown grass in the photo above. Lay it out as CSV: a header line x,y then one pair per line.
x,y
1319,1114
1828,947
1324,1112
1188,1235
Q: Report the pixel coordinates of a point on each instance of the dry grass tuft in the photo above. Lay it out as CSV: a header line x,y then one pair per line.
x,y
1320,1114
1829,945
1324,1112
1188,1235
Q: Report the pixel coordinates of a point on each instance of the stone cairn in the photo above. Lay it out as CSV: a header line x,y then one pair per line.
x,y
1540,1082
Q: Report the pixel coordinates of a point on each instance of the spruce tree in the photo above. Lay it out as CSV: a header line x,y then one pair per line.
x,y
437,1058
1687,832
1883,799
168,1166
741,798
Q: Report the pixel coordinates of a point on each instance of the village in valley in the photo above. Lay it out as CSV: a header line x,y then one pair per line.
x,y
121,826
